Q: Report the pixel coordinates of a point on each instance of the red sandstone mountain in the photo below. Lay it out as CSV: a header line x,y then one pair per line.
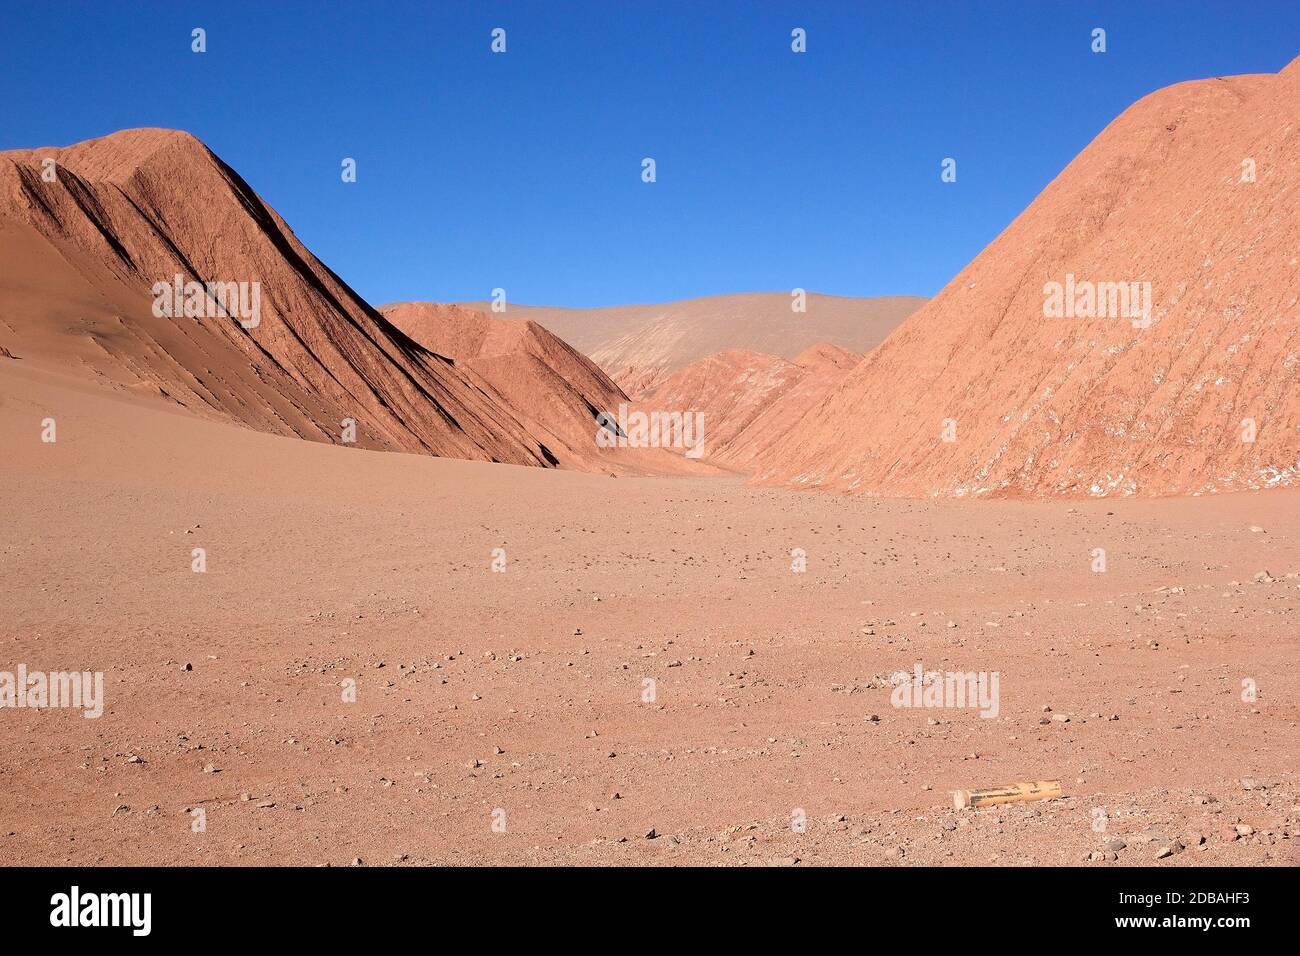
x,y
729,389
823,367
557,392
641,345
82,252
749,399
1045,405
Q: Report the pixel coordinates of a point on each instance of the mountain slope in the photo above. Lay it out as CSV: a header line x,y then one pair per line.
x,y
1040,403
728,389
823,367
127,211
748,400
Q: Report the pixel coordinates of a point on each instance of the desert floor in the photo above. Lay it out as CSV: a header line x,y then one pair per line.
x,y
522,691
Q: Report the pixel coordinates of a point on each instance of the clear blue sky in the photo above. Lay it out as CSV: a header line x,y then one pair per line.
x,y
522,170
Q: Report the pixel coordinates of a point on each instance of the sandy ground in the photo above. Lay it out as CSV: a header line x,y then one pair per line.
x,y
522,690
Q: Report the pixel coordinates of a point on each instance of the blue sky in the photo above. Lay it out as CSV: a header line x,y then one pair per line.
x,y
522,170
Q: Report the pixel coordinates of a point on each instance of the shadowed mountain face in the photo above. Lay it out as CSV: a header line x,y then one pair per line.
x,y
642,345
1034,372
559,394
94,235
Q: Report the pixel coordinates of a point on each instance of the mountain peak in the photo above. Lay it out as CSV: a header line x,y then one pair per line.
x,y
116,156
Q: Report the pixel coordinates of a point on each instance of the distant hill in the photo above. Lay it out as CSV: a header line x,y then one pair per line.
x,y
640,345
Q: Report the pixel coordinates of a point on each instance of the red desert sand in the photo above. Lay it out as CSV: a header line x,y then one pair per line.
x,y
525,690
316,653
